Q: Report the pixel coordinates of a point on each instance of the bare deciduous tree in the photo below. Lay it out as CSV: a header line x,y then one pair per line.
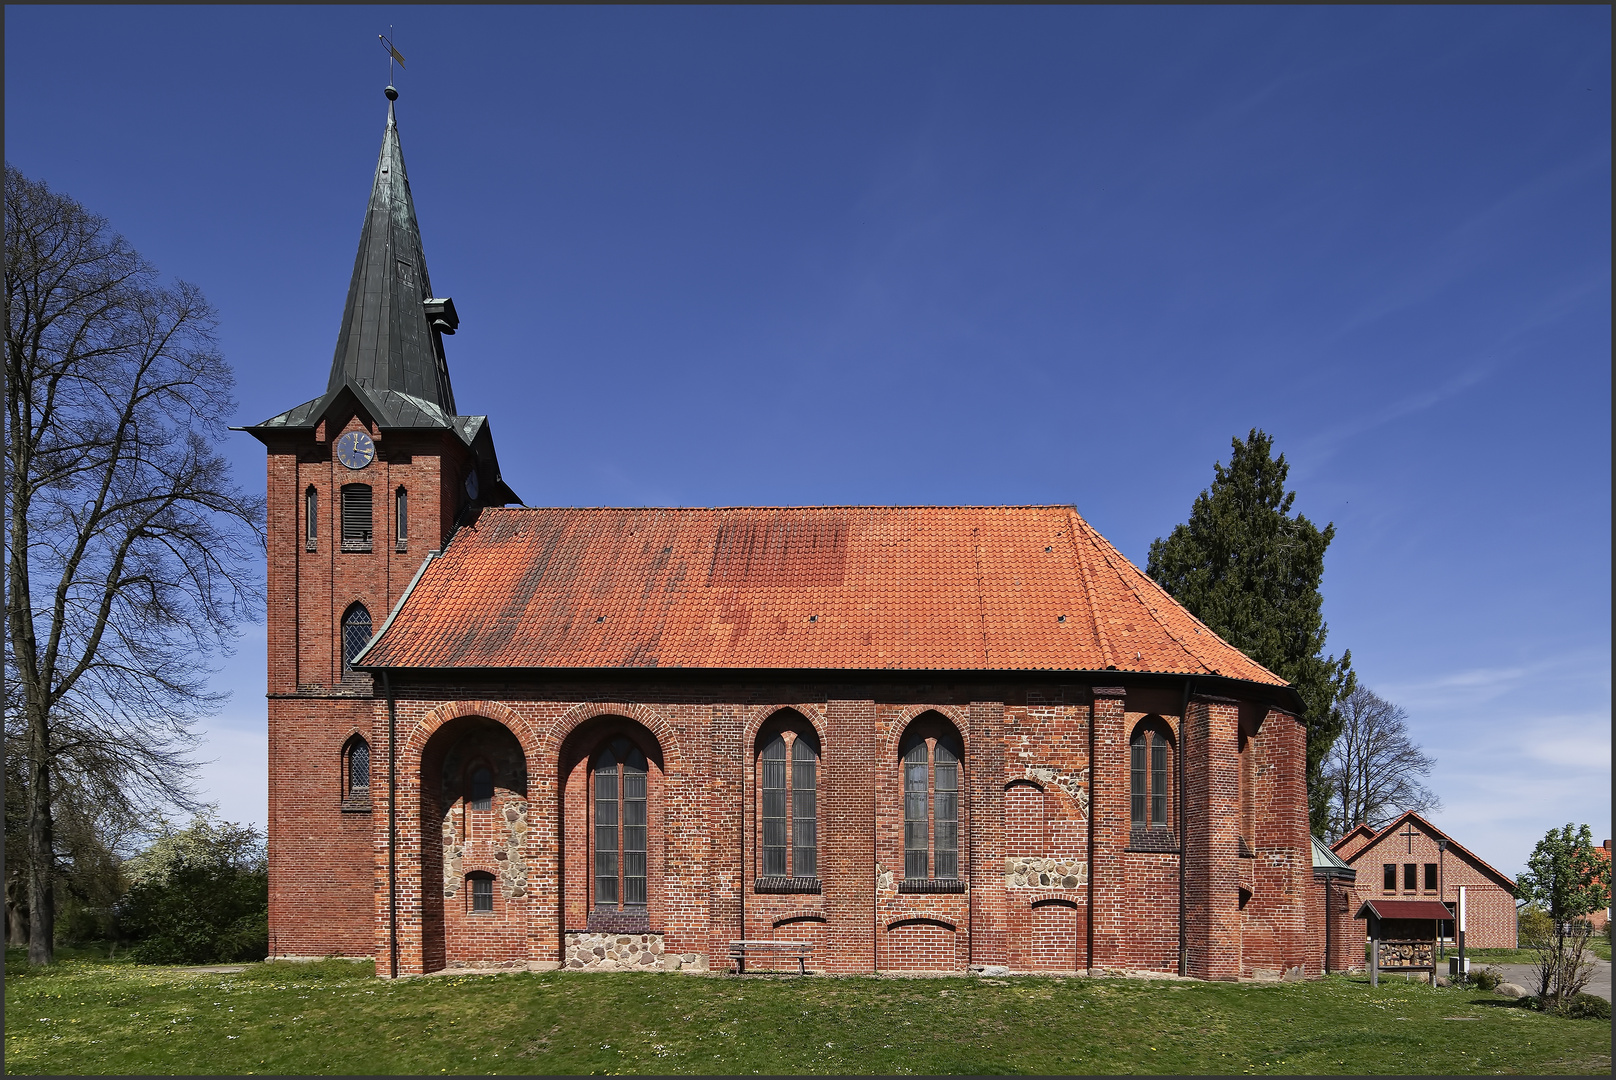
x,y
1373,768
132,556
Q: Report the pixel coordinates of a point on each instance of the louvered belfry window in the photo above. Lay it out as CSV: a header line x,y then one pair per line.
x,y
356,517
620,825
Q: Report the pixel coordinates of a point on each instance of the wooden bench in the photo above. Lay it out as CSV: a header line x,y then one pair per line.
x,y
739,950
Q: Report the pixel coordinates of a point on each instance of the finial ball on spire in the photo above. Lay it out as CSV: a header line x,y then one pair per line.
x,y
391,92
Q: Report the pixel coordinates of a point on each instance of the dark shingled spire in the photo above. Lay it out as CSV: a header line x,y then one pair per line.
x,y
387,341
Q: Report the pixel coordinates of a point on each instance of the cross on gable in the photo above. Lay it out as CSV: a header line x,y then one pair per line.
x,y
1410,834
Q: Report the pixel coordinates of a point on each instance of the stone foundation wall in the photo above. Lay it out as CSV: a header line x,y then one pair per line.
x,y
625,952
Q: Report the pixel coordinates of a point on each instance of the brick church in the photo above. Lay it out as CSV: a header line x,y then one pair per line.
x,y
918,738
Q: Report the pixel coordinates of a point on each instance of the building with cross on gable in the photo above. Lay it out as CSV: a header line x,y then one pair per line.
x,y
914,738
1412,859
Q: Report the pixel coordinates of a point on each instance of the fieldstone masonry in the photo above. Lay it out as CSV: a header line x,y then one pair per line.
x,y
1061,872
626,952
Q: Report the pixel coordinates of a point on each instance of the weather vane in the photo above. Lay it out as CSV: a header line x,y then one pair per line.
x,y
392,54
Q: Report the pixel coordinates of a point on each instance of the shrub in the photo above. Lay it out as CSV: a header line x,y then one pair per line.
x,y
200,895
1588,1007
1487,978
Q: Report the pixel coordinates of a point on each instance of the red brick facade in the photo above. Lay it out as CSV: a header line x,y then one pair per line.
x,y
1043,783
1024,754
1411,841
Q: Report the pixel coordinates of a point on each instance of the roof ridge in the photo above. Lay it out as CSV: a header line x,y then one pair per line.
x,y
1088,591
1163,593
806,506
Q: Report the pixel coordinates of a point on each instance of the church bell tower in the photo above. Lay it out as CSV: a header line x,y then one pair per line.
x,y
364,481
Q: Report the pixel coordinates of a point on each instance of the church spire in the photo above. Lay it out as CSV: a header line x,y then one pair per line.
x,y
392,325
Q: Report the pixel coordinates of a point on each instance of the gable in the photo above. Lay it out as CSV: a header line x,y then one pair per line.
x,y
1382,846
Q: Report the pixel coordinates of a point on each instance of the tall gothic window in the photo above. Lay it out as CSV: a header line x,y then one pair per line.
x,y
401,518
790,817
355,632
1150,776
931,786
620,825
356,517
311,519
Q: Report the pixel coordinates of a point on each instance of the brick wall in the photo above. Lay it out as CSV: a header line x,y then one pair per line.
x,y
1490,906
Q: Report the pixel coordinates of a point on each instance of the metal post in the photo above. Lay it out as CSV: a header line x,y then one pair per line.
x,y
1461,929
1374,949
1441,889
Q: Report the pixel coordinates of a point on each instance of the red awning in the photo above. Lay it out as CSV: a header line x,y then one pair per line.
x,y
1404,909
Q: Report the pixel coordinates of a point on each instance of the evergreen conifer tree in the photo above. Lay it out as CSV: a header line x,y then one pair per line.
x,y
1251,571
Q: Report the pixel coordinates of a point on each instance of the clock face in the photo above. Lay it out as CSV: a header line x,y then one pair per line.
x,y
355,450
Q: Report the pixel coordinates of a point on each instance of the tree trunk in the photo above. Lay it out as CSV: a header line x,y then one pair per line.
x,y
41,853
16,910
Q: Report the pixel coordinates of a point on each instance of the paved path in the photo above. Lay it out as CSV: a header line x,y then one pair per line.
x,y
1526,975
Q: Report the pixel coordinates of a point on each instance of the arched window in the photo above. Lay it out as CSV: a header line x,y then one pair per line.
x,y
358,767
790,810
1150,776
620,825
480,788
311,519
355,632
356,517
931,787
401,518
481,892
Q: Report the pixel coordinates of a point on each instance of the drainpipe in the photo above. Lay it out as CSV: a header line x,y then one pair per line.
x,y
392,821
1094,806
1183,848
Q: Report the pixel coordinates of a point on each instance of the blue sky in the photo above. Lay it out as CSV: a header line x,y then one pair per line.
x,y
952,255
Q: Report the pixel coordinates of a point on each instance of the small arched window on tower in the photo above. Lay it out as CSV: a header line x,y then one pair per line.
x,y
356,517
311,519
356,770
1150,784
401,518
355,633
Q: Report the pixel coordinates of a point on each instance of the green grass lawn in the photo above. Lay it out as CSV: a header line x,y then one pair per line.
x,y
1522,956
91,1016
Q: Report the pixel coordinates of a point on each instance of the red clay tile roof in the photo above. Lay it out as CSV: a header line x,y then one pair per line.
x,y
820,587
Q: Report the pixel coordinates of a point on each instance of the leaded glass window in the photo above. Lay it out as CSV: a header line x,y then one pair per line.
x,y
620,825
311,519
914,811
355,632
359,768
401,518
804,809
774,808
1150,777
945,811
